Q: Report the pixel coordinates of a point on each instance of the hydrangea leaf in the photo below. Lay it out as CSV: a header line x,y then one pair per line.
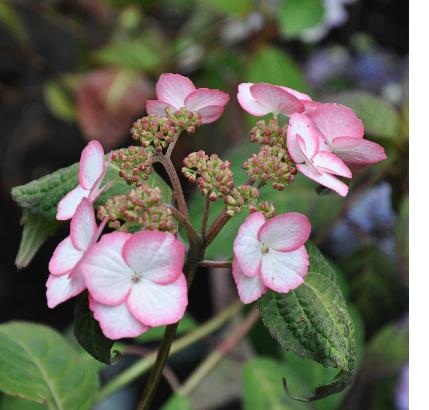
x,y
313,322
37,364
177,402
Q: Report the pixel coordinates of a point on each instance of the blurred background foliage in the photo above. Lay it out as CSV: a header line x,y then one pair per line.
x,y
75,70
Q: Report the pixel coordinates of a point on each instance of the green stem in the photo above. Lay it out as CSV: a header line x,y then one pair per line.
x,y
205,217
144,364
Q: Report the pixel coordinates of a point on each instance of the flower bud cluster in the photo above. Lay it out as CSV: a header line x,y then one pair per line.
x,y
135,164
266,207
243,195
185,119
268,134
213,176
271,164
141,206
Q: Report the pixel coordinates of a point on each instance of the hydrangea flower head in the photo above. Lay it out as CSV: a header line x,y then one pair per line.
x,y
65,280
136,281
270,254
92,170
176,91
312,156
262,98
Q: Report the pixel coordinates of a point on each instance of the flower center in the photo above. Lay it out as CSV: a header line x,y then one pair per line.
x,y
264,248
136,277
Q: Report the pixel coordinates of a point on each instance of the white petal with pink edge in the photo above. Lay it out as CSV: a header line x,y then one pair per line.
x,y
83,226
358,151
107,275
156,305
324,179
298,94
91,164
247,247
284,271
285,232
301,126
156,107
64,258
275,99
173,89
62,288
116,322
157,256
248,102
326,161
335,120
67,206
249,288
205,97
211,113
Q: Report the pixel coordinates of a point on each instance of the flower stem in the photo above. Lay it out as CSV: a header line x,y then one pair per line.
x,y
216,227
143,365
190,231
205,217
214,264
172,145
221,350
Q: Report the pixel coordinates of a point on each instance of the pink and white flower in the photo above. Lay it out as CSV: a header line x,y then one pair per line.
x,y
343,132
270,254
312,156
136,281
262,98
65,280
92,170
176,91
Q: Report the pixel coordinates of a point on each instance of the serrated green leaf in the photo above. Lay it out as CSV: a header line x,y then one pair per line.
x,y
381,120
37,364
262,386
297,15
35,232
313,322
271,65
88,332
177,402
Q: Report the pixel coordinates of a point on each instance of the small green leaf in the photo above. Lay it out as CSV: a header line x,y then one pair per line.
x,y
36,230
177,402
313,322
59,101
271,65
381,120
37,364
297,15
88,332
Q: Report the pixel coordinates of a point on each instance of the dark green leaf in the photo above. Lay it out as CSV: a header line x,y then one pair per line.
x,y
313,322
15,403
297,15
177,402
35,232
88,332
37,364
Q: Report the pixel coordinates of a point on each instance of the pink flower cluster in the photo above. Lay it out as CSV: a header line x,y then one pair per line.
x,y
322,139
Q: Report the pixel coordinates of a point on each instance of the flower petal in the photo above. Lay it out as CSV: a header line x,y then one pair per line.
x,y
65,257
248,102
67,206
247,248
83,226
301,96
157,256
324,179
205,97
249,288
335,120
276,99
116,322
156,107
156,305
173,89
301,126
61,288
358,151
91,164
326,161
107,276
286,232
211,113
284,271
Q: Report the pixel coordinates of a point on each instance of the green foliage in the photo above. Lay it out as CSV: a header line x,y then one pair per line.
x,y
313,322
36,230
380,119
297,15
177,402
37,364
88,332
236,7
15,403
271,65
59,101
